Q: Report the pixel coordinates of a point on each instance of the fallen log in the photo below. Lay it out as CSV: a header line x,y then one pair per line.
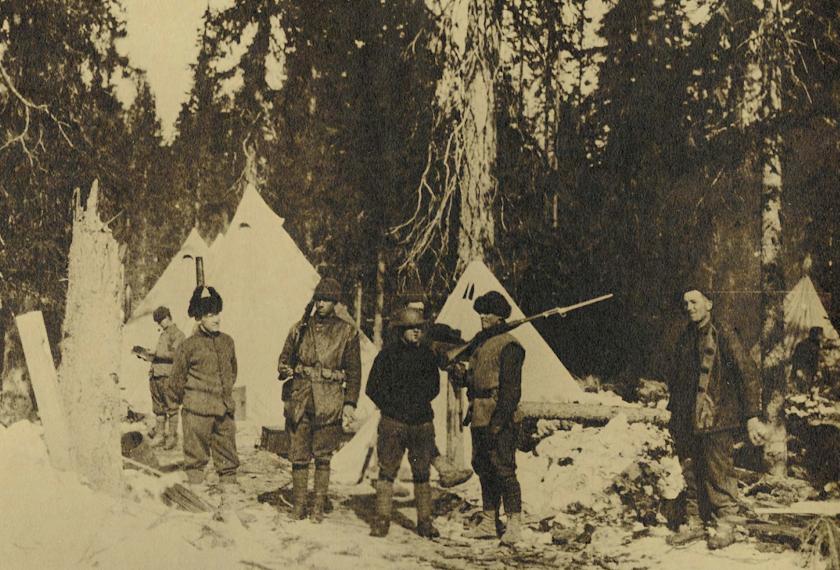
x,y
592,414
177,494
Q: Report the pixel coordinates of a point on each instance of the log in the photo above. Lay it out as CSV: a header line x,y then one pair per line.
x,y
42,374
592,414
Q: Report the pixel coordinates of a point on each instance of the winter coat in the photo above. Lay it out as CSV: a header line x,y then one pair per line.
x,y
204,373
734,387
495,381
168,342
327,368
403,381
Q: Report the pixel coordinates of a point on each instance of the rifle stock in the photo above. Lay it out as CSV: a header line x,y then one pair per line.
x,y
464,352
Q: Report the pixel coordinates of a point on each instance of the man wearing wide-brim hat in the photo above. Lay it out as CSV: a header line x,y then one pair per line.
x,y
403,381
321,366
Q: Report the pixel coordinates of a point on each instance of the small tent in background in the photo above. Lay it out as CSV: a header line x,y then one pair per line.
x,y
172,289
803,310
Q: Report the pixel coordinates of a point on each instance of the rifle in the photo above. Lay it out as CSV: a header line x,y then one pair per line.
x,y
304,324
465,351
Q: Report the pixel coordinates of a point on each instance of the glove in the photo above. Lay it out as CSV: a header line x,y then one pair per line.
x,y
348,416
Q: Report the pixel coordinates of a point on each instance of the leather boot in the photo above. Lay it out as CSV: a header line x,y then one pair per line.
x,y
423,498
691,530
724,535
300,482
382,518
448,474
513,530
322,485
171,433
486,528
159,431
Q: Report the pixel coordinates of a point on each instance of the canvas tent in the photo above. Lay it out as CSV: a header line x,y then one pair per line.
x,y
803,309
172,289
265,282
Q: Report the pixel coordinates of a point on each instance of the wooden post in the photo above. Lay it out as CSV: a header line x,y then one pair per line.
x,y
39,361
90,351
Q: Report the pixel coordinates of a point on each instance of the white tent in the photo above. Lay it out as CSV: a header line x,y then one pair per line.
x,y
803,310
544,377
265,282
172,289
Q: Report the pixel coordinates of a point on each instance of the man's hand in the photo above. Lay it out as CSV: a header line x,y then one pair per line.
x,y
284,372
348,416
142,352
756,431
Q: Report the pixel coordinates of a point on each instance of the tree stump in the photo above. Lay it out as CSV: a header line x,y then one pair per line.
x,y
90,350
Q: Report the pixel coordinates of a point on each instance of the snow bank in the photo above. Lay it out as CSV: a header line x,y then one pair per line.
x,y
576,469
52,520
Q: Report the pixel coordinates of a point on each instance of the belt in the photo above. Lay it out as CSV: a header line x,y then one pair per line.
x,y
320,372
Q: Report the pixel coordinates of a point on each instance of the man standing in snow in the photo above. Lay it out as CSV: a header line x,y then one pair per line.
x,y
403,382
714,392
805,362
164,405
493,378
321,367
202,380
448,474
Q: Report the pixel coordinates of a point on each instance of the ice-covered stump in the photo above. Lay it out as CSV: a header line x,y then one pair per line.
x,y
90,350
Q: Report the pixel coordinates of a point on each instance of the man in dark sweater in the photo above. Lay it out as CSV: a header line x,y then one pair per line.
x,y
403,381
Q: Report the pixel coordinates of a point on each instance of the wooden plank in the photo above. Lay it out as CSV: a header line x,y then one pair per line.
x,y
592,413
36,350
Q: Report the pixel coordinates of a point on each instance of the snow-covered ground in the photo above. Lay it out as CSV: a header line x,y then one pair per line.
x,y
51,519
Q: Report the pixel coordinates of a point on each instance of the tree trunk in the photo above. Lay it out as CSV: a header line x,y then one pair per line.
x,y
357,305
90,350
478,143
772,274
379,306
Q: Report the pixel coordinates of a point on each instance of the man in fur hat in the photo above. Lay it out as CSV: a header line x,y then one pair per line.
x,y
714,392
403,381
202,379
321,367
164,405
493,377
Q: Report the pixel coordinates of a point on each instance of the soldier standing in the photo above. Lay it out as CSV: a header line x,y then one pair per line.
x,y
202,379
403,381
321,366
164,405
493,379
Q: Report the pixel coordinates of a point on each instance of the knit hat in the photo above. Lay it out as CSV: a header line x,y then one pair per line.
x,y
161,313
204,301
492,303
328,289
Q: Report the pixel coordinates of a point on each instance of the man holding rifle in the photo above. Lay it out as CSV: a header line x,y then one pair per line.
x,y
493,377
321,366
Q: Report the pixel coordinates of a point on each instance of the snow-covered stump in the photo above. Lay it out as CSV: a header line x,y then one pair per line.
x,y
90,351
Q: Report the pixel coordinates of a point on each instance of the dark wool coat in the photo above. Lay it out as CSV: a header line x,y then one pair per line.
x,y
733,386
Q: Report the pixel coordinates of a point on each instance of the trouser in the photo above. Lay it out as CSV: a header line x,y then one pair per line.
x,y
394,438
308,441
206,435
163,401
494,461
709,471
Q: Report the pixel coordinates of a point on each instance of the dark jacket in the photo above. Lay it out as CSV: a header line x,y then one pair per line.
x,y
403,381
204,373
328,368
733,385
